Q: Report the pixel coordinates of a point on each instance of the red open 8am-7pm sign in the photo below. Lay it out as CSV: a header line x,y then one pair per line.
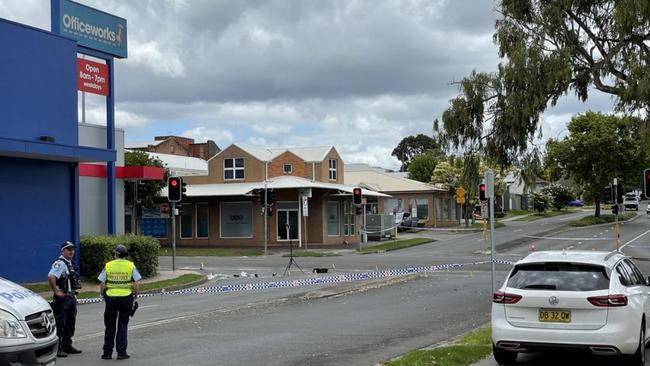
x,y
92,77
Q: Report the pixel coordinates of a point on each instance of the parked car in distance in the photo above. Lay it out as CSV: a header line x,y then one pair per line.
x,y
631,203
575,203
590,301
647,210
402,219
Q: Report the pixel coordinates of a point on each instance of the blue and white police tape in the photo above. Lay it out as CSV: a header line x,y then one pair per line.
x,y
314,281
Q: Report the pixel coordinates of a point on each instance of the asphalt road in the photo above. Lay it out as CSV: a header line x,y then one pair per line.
x,y
356,329
282,327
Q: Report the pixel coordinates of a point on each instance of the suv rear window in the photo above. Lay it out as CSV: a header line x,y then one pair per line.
x,y
559,277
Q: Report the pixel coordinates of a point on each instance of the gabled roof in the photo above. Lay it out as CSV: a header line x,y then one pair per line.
x,y
314,154
386,182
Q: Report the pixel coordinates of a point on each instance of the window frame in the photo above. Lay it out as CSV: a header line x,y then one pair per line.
x,y
284,168
338,219
234,169
196,219
186,211
252,235
332,172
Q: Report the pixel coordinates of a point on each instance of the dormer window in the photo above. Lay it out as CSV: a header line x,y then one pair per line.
x,y
287,169
233,168
332,169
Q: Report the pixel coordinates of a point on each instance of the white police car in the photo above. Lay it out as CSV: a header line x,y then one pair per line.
x,y
597,302
27,327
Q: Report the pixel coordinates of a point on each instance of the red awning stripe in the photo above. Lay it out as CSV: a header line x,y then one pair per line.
x,y
122,172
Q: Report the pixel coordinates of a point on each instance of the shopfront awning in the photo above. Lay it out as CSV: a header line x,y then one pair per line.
x,y
286,182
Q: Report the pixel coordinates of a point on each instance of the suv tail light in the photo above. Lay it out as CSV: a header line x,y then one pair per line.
x,y
608,301
501,297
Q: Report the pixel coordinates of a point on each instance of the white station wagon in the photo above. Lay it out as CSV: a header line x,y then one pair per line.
x,y
574,300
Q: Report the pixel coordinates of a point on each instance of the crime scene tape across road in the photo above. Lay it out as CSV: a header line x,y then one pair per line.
x,y
252,286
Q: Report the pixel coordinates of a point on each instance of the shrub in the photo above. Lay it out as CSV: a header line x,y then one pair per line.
x,y
96,251
541,202
560,195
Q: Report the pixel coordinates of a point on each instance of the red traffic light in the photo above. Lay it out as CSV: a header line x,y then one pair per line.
x,y
174,191
173,182
356,196
481,192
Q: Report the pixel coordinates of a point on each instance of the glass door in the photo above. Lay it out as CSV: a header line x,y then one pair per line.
x,y
287,217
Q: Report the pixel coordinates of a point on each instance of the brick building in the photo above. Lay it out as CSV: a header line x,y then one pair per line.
x,y
177,145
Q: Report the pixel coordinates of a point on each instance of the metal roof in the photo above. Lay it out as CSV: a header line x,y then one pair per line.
x,y
386,182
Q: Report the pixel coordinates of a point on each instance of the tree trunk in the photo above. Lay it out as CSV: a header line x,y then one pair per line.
x,y
597,213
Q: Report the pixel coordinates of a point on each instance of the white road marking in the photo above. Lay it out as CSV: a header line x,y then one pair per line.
x,y
631,241
148,306
518,230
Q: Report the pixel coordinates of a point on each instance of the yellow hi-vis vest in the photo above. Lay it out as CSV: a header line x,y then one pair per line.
x,y
119,276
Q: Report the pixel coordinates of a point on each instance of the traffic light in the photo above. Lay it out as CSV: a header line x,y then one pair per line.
x,y
481,192
616,192
269,210
646,183
356,196
183,189
260,195
358,210
179,210
615,209
174,189
138,210
270,197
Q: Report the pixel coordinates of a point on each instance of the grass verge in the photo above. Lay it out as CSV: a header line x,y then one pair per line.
x,y
308,253
479,225
537,216
602,219
172,283
513,213
467,350
394,245
211,252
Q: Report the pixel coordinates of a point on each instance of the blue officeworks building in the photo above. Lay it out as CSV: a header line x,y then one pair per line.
x,y
39,149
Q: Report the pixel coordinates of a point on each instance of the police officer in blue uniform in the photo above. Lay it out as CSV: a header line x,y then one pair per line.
x,y
64,281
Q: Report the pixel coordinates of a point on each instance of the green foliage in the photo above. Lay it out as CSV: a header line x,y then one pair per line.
x,y
148,189
598,149
445,174
560,195
96,251
550,48
422,166
412,146
541,201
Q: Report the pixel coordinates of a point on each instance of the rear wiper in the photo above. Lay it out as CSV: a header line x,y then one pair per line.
x,y
541,287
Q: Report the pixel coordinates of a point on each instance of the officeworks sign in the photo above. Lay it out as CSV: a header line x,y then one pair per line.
x,y
91,28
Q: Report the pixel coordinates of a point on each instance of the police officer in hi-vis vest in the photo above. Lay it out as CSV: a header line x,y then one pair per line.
x,y
119,286
64,281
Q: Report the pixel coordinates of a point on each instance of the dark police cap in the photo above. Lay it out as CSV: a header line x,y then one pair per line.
x,y
67,244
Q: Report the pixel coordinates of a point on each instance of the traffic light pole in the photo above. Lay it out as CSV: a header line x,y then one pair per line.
x,y
266,219
174,236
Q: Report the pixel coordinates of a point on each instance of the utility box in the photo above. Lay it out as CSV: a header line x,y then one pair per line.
x,y
381,226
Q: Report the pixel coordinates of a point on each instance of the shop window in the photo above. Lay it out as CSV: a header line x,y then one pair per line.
x,y
236,219
202,221
445,208
186,222
349,219
423,208
233,168
333,222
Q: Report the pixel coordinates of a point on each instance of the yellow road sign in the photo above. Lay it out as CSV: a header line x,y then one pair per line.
x,y
460,200
460,192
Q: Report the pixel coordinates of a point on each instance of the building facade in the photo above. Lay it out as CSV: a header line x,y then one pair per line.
x,y
177,145
222,208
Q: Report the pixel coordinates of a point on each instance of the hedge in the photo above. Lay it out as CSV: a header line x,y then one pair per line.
x,y
96,251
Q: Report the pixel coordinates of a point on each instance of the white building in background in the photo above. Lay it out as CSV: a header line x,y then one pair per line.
x,y
182,165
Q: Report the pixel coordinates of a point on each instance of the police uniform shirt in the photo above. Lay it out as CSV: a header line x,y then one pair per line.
x,y
59,268
136,275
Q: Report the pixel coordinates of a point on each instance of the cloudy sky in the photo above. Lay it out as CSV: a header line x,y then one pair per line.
x,y
359,75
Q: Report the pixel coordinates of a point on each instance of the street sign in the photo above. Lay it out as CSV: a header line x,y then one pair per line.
x,y
489,184
305,206
460,200
164,208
